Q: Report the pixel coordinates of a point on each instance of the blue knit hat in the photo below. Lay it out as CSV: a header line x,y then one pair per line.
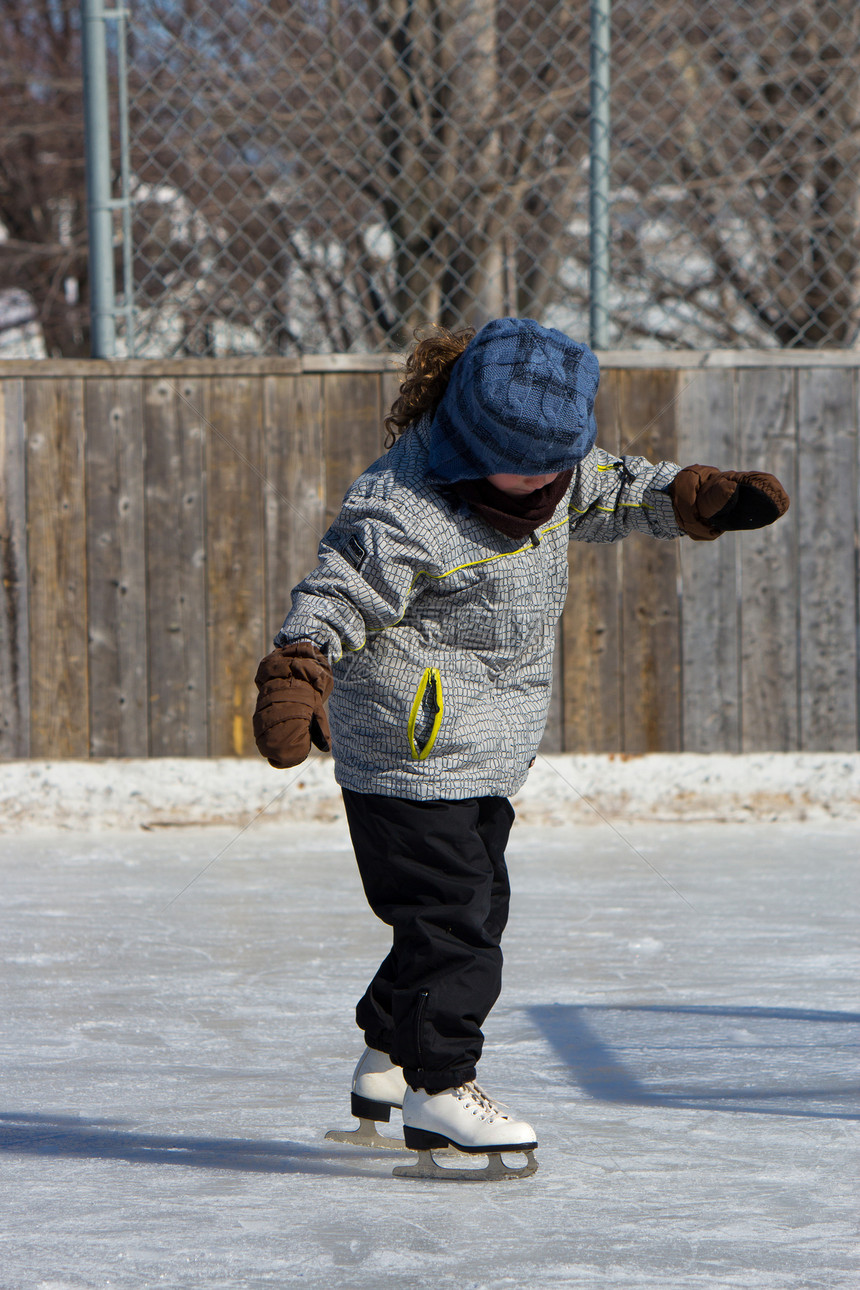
x,y
520,401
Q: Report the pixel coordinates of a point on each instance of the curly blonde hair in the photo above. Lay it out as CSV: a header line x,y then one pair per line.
x,y
428,370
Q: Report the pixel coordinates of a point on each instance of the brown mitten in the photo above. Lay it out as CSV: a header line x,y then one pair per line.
x,y
709,502
294,683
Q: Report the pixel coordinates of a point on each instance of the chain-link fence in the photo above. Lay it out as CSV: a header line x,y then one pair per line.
x,y
325,175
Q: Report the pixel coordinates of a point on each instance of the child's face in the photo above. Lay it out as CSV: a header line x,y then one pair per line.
x,y
520,485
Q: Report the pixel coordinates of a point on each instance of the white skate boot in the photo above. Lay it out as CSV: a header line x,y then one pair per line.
x,y
377,1086
470,1121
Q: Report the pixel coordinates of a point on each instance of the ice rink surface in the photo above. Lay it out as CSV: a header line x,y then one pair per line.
x,y
679,1021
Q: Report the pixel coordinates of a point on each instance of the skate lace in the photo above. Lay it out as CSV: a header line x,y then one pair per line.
x,y
486,1107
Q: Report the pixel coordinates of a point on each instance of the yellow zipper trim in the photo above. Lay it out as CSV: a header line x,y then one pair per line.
x,y
429,674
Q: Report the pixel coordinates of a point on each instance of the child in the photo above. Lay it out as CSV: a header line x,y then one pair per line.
x,y
431,614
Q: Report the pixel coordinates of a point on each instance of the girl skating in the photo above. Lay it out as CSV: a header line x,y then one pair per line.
x,y
430,622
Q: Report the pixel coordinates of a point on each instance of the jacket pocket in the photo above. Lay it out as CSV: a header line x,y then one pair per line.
x,y
425,715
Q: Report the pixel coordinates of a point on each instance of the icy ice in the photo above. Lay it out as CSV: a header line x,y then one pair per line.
x,y
178,1036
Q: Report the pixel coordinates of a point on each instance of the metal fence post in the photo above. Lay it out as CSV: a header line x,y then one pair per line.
x,y
99,205
598,175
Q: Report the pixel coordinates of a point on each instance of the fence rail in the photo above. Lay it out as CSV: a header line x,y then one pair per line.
x,y
155,515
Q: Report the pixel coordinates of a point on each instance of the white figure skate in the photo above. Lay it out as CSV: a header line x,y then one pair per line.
x,y
377,1086
470,1121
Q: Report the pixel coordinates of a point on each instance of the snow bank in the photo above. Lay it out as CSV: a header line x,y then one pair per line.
x,y
562,789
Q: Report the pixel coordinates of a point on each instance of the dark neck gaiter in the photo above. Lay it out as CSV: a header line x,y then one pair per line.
x,y
516,517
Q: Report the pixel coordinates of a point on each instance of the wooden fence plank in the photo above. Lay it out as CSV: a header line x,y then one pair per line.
x,y
591,630
591,650
827,499
14,643
174,416
710,626
57,575
390,383
767,435
353,433
116,572
294,489
651,675
235,562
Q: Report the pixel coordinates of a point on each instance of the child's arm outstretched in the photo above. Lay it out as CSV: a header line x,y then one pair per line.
x,y
613,496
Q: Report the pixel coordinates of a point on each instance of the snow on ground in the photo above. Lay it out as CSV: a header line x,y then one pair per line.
x,y
561,789
680,1020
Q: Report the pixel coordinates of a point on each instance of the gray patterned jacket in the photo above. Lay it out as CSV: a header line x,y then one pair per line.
x,y
440,629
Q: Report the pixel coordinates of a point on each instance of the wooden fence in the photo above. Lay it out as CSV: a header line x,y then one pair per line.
x,y
155,515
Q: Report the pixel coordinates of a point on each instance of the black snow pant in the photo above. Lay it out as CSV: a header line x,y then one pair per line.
x,y
435,873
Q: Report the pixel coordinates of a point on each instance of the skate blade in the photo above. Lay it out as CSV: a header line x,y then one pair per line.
x,y
495,1169
366,1135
